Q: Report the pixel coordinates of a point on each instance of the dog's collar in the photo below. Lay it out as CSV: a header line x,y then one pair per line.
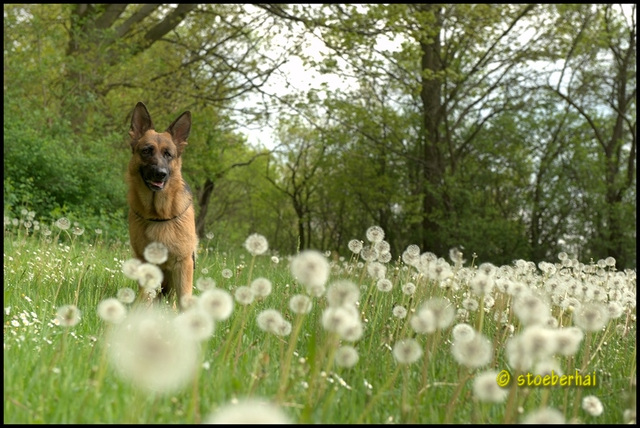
x,y
162,219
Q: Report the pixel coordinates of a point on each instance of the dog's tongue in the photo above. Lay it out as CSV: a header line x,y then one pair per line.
x,y
159,184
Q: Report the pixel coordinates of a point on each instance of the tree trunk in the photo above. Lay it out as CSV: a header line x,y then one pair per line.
x,y
430,96
204,197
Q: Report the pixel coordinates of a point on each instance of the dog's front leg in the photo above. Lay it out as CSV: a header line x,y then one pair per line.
x,y
182,282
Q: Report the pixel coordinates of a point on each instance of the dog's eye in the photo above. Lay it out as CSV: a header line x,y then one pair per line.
x,y
167,155
147,150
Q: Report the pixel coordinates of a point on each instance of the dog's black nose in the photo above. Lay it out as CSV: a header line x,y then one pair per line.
x,y
160,174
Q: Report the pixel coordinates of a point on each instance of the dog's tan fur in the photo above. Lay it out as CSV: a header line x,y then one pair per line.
x,y
161,208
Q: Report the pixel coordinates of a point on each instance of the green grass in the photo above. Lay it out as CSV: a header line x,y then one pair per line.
x,y
55,374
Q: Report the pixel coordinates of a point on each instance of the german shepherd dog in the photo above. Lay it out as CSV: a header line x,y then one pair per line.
x,y
160,201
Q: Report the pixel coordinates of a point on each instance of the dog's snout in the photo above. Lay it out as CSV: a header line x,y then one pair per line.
x,y
160,173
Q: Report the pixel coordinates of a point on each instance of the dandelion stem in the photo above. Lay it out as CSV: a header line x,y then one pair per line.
x,y
425,365
480,314
464,376
511,401
585,362
372,324
284,373
195,402
376,397
232,333
404,406
253,259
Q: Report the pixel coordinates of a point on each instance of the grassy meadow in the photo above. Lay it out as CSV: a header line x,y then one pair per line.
x,y
357,335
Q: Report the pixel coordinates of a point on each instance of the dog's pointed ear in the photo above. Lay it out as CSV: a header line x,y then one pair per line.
x,y
140,122
180,129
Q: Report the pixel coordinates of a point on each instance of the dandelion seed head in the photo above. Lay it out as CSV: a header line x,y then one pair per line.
x,y
384,257
423,321
382,247
531,309
261,287
338,318
376,270
205,283
300,304
149,276
470,304
591,316
149,350
342,293
346,356
486,389
399,312
216,302
269,320
112,310
283,329
355,246
411,259
126,295
195,323
548,367
407,351
517,357
369,254
68,315
375,234
473,353
614,309
409,288
462,332
443,311
188,301
244,295
544,416
316,290
592,405
351,332
130,268
226,273
156,253
63,223
250,411
310,268
456,256
384,285
539,342
256,244
482,284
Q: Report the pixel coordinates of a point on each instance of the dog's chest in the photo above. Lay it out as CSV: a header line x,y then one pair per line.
x,y
171,237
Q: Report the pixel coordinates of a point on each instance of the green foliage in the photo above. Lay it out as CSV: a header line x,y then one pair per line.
x,y
56,374
47,170
467,141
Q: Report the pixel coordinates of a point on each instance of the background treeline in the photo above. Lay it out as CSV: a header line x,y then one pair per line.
x,y
509,130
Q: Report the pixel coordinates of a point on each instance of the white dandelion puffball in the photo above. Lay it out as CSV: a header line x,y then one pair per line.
x,y
256,244
407,351
150,350
218,303
156,253
68,315
250,411
310,268
112,310
375,234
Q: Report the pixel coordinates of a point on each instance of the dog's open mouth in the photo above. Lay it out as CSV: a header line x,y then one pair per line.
x,y
156,185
